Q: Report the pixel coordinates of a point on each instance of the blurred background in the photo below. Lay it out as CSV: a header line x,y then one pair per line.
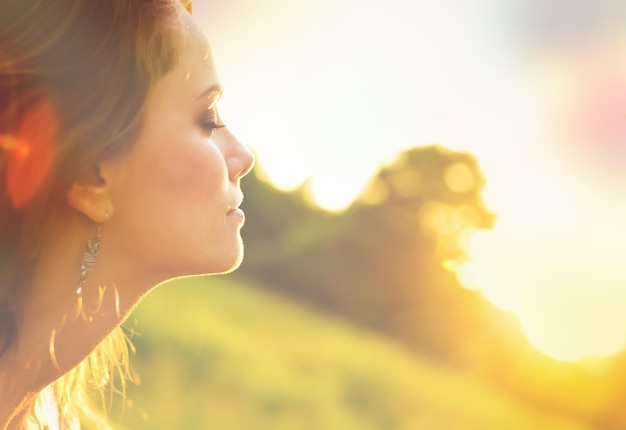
x,y
434,228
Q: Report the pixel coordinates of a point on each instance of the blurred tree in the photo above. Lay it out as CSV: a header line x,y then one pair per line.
x,y
383,264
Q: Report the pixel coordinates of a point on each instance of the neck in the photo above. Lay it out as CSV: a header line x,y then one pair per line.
x,y
60,326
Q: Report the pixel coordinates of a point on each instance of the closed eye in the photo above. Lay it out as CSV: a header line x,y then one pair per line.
x,y
210,120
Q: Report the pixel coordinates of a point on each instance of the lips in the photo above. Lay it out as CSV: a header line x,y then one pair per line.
x,y
234,211
237,215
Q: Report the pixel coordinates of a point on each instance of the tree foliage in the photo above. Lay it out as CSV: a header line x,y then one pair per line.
x,y
382,264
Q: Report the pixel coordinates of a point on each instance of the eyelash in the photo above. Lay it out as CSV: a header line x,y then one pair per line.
x,y
211,120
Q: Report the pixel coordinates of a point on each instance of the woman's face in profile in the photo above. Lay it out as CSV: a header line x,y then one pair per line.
x,y
178,189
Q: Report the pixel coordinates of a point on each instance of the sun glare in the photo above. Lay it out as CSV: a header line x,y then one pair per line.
x,y
561,316
351,85
333,194
551,262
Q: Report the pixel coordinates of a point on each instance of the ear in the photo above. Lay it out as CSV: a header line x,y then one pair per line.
x,y
92,193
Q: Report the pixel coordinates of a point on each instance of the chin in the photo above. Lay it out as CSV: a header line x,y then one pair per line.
x,y
235,265
227,262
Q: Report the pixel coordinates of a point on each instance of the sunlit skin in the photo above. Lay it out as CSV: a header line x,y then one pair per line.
x,y
168,208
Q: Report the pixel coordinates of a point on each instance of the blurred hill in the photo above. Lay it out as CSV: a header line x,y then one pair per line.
x,y
234,356
382,264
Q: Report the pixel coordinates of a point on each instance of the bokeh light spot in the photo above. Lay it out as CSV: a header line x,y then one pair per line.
x,y
465,216
435,216
459,178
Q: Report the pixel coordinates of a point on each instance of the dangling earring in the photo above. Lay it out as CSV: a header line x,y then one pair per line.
x,y
89,259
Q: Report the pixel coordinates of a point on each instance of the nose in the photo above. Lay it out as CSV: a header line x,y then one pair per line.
x,y
239,158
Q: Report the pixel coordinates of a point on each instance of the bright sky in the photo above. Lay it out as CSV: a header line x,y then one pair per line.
x,y
331,89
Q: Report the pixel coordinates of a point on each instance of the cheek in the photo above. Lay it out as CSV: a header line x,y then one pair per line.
x,y
174,184
171,203
193,170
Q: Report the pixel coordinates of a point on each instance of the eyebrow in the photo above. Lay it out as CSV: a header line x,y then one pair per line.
x,y
212,94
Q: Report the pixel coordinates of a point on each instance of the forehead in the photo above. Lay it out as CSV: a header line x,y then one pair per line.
x,y
194,46
195,67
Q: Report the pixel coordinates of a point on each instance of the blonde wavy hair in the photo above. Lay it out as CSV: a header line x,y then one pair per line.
x,y
96,61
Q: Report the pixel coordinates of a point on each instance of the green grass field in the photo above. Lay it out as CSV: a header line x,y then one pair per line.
x,y
220,354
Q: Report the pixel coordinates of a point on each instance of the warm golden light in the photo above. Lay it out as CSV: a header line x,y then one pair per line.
x,y
459,178
334,194
570,304
354,83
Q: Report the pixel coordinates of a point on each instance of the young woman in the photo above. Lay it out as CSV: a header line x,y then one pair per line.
x,y
116,174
